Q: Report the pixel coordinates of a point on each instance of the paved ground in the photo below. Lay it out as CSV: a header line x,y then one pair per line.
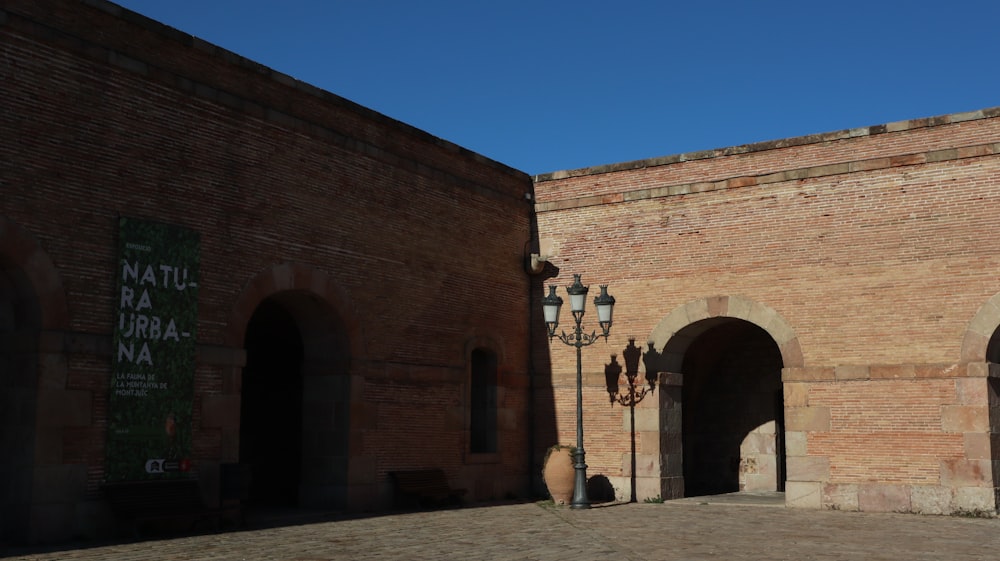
x,y
684,530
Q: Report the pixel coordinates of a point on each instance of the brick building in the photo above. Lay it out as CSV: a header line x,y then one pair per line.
x,y
822,313
344,328
817,314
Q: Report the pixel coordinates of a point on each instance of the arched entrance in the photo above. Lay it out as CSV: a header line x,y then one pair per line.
x,y
295,402
981,344
271,406
20,322
733,410
33,315
993,348
719,362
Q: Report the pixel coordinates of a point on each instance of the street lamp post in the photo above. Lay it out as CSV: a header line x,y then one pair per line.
x,y
605,304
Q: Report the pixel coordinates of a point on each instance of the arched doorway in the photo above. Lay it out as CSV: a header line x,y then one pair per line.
x,y
993,348
732,418
20,320
981,344
993,401
295,403
271,406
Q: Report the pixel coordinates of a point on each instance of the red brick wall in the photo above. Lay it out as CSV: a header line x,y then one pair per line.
x,y
872,246
871,249
885,431
107,113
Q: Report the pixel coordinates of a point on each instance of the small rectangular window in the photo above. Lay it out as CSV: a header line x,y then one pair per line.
x,y
483,418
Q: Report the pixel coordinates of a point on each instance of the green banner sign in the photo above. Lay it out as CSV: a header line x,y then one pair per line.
x,y
152,378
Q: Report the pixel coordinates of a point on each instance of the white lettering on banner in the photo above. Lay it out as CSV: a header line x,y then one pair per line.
x,y
172,275
127,352
180,277
134,298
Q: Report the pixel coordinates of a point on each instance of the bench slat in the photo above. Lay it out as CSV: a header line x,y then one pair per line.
x,y
140,501
427,487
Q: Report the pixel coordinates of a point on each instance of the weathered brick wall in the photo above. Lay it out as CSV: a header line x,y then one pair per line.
x,y
866,254
109,114
873,249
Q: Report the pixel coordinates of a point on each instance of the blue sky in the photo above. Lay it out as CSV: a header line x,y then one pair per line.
x,y
563,84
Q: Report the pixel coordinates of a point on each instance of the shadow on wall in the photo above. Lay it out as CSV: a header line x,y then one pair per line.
x,y
631,396
541,422
600,490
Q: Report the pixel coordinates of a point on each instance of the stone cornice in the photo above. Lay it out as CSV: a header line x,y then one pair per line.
x,y
933,156
844,134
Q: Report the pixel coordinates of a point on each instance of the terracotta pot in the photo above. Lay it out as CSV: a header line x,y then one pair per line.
x,y
558,474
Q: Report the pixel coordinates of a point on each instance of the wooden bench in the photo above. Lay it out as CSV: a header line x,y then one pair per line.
x,y
426,488
177,500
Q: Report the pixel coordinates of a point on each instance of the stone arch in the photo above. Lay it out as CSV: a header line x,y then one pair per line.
x,y
669,344
485,342
301,339
293,277
671,347
19,251
981,329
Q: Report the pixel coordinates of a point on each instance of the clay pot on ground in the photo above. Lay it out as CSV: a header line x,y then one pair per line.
x,y
558,473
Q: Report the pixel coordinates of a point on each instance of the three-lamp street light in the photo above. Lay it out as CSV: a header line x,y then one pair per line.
x,y
605,304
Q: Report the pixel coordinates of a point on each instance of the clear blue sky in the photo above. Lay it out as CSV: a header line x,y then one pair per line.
x,y
563,84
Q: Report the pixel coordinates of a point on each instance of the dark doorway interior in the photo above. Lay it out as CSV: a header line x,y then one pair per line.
x,y
271,407
993,395
20,319
993,348
732,413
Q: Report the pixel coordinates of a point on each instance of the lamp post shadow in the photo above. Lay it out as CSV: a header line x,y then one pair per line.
x,y
612,375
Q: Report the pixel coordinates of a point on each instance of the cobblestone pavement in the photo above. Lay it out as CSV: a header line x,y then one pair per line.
x,y
682,530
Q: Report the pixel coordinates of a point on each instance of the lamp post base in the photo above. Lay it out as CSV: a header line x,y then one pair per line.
x,y
580,500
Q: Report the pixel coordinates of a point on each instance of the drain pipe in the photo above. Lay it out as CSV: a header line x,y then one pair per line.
x,y
531,366
534,264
